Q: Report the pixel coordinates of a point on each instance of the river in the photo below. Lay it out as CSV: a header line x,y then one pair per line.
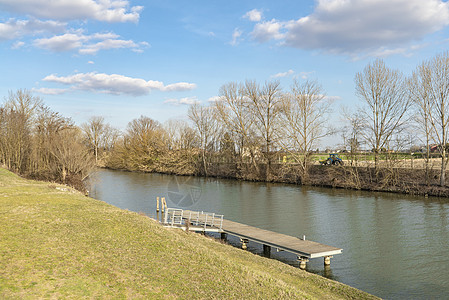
x,y
394,246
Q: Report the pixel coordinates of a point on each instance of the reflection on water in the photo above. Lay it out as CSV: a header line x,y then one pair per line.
x,y
394,246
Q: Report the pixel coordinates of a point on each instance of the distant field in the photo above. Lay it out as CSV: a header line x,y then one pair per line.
x,y
404,160
56,243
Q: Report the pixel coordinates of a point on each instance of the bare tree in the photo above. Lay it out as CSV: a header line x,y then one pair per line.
x,y
187,138
385,103
352,133
143,143
233,111
304,121
37,142
177,132
265,109
18,114
72,159
24,103
99,135
205,123
419,85
48,125
432,83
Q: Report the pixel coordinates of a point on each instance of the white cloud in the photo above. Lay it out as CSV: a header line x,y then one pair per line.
x,y
332,98
116,84
269,30
302,75
17,45
90,62
283,74
351,26
180,86
108,44
182,101
214,99
13,29
305,75
48,91
87,44
61,43
254,15
101,10
384,52
236,36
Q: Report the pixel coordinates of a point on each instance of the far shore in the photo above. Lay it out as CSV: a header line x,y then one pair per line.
x,y
401,179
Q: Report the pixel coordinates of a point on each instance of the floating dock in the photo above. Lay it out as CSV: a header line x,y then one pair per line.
x,y
211,222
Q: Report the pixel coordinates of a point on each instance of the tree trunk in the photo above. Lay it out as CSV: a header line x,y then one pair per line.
x,y
64,174
204,163
427,163
268,168
305,169
254,162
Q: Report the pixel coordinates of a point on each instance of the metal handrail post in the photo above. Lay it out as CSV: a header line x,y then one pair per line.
x,y
166,217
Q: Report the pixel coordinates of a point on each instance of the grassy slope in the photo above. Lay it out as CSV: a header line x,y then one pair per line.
x,y
56,243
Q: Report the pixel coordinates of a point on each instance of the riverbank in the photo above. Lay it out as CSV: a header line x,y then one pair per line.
x,y
57,243
402,180
393,179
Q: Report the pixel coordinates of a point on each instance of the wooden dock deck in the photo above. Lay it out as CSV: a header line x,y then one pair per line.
x,y
302,248
211,222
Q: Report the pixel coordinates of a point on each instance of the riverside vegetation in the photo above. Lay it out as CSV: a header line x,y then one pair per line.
x,y
57,243
258,132
254,132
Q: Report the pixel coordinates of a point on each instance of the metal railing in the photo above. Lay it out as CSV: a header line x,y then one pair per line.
x,y
178,217
173,216
204,219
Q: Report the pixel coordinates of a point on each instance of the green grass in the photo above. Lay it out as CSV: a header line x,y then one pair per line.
x,y
59,244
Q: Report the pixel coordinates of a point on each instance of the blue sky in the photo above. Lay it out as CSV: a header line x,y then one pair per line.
x,y
122,59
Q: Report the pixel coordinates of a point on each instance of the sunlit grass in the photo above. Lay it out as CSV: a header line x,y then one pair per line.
x,y
56,243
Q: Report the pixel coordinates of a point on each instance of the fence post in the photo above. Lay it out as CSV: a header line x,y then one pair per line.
x,y
163,204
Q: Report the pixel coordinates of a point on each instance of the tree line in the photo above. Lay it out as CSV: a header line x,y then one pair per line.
x,y
251,124
243,134
395,105
40,143
244,129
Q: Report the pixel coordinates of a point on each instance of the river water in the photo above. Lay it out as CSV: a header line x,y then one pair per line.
x,y
394,246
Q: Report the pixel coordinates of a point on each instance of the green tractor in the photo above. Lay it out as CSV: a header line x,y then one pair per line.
x,y
333,159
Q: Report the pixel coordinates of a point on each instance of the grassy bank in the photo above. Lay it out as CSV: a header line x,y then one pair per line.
x,y
56,243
